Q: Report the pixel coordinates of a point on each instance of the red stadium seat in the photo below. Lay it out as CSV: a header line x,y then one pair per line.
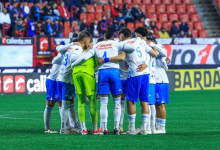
x,y
119,1
151,8
191,8
195,17
156,1
161,8
198,26
127,1
173,17
74,24
187,1
91,8
143,8
167,25
90,17
67,24
190,25
195,33
98,8
137,1
181,8
166,1
159,25
171,8
163,17
203,34
177,1
153,17
146,1
107,8
131,26
30,5
98,16
6,4
186,16
138,24
82,16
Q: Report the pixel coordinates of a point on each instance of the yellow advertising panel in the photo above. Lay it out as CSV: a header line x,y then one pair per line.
x,y
196,79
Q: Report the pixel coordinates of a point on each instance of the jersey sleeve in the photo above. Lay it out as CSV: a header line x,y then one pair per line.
x,y
163,63
160,48
119,45
148,49
85,57
57,59
128,46
76,53
62,48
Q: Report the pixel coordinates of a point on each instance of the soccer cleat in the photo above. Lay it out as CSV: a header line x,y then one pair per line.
x,y
85,132
116,132
74,131
130,132
154,131
97,132
143,132
100,129
50,131
161,131
138,129
105,132
121,129
65,132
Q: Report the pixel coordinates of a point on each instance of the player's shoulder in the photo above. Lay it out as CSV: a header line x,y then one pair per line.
x,y
160,45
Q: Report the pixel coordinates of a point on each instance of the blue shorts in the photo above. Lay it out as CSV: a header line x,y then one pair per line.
x,y
66,90
123,84
152,94
162,93
109,80
137,87
52,93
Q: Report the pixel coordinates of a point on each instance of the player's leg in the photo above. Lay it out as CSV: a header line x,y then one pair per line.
x,y
122,112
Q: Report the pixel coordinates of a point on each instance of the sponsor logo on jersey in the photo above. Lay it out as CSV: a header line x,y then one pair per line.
x,y
8,84
130,42
20,83
44,44
104,46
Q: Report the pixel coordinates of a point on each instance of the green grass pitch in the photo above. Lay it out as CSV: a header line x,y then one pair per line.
x,y
193,122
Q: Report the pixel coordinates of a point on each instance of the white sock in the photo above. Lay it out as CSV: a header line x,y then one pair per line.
x,y
152,117
122,112
68,123
47,116
145,118
157,123
104,112
149,121
64,114
162,123
83,125
72,115
131,119
117,112
95,128
60,111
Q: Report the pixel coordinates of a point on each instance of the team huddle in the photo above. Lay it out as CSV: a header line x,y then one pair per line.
x,y
131,70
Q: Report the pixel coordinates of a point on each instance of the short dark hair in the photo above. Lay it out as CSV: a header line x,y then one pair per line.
x,y
150,36
125,31
142,31
83,34
109,33
100,39
75,40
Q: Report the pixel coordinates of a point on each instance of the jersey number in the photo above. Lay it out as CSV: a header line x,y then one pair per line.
x,y
105,54
139,52
153,64
65,59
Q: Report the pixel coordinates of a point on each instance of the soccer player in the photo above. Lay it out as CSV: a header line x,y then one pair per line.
x,y
137,82
162,85
84,80
52,94
109,78
65,80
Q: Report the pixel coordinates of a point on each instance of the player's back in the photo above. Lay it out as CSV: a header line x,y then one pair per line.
x,y
54,71
124,69
135,55
152,69
65,72
107,49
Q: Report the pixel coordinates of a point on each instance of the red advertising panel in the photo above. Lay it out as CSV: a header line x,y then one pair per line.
x,y
8,84
20,83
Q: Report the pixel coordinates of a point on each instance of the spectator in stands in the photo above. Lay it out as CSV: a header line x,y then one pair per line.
x,y
4,18
64,13
147,22
115,26
137,13
184,26
83,25
35,11
120,17
181,35
163,33
38,29
153,25
55,11
20,11
126,11
115,10
47,11
57,29
156,34
18,30
47,28
95,28
26,9
122,24
104,20
13,13
109,18
75,33
30,26
189,34
174,31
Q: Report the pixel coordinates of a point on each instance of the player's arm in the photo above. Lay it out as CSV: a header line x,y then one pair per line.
x,y
160,48
83,58
75,56
163,63
119,57
62,48
57,59
150,50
